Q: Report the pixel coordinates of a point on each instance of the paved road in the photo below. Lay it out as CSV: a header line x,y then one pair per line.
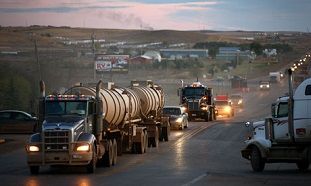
x,y
207,153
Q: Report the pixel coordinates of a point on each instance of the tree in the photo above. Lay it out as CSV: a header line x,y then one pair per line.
x,y
256,47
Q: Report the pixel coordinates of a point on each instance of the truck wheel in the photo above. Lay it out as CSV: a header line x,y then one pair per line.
x,y
90,168
141,145
115,152
146,141
34,169
303,165
206,118
257,162
107,159
165,133
119,146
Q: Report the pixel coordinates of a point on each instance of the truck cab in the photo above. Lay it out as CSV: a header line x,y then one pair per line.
x,y
197,101
286,136
66,135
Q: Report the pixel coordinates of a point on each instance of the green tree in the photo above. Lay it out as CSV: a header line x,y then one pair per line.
x,y
256,47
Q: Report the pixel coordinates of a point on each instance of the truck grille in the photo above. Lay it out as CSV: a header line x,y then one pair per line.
x,y
56,140
193,105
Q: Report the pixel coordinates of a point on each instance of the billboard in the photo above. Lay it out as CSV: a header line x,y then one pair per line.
x,y
111,63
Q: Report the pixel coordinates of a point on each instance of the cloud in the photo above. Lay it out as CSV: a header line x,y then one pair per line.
x,y
109,14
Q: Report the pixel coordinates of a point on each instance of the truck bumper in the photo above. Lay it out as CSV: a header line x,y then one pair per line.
x,y
59,158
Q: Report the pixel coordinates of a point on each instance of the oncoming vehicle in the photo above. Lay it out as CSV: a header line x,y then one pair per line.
x,y
178,117
15,121
223,106
236,100
264,85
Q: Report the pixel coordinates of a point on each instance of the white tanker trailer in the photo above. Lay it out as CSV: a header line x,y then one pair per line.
x,y
92,125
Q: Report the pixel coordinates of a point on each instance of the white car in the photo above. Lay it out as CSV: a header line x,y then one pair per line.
x,y
178,118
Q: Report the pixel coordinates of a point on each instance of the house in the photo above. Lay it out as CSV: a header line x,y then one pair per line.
x,y
184,53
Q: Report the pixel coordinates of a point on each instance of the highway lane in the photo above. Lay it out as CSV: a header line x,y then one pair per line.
x,y
207,153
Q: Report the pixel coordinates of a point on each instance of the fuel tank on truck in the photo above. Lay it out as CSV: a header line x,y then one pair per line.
x,y
116,103
151,98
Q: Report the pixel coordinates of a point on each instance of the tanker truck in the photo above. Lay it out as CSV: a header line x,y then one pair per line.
x,y
90,126
286,136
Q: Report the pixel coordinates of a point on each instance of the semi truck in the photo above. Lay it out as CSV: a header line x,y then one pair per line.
x,y
197,100
286,136
91,126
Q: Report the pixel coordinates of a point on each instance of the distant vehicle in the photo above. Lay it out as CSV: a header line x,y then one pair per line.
x,y
236,100
224,106
178,117
15,121
264,85
275,77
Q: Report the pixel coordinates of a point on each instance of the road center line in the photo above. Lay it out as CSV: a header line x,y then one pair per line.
x,y
195,180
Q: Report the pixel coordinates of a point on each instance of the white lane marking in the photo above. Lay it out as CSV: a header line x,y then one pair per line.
x,y
195,180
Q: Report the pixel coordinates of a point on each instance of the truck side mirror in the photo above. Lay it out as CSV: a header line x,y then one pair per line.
x,y
273,111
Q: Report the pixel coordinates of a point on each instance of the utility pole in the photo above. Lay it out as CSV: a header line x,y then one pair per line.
x,y
37,59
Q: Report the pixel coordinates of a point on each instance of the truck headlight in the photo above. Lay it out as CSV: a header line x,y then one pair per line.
x,y
178,120
83,147
240,102
204,108
33,148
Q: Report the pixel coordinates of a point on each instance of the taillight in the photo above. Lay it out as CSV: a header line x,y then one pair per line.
x,y
301,131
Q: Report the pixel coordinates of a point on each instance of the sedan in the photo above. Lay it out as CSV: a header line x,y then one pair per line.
x,y
15,121
178,118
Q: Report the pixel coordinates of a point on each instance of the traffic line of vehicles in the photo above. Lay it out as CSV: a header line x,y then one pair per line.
x,y
90,126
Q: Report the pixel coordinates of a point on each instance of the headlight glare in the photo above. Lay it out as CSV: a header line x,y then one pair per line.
x,y
83,147
33,148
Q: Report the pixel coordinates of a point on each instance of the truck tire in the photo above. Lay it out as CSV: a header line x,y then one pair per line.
x,y
146,141
257,162
90,168
154,141
303,165
206,118
34,170
107,159
119,146
140,146
165,133
115,152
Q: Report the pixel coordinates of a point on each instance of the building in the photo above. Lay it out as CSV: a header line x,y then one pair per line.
x,y
154,55
184,53
233,54
141,60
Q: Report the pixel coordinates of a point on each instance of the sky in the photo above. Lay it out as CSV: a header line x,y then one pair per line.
x,y
226,15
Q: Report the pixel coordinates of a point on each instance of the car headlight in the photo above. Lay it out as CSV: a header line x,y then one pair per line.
x,y
33,148
240,102
83,147
183,108
227,109
268,86
178,120
261,86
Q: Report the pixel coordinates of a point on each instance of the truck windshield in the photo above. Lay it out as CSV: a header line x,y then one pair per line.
x,y
65,107
283,110
194,92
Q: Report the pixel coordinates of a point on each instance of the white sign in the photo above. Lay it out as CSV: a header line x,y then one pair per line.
x,y
103,65
111,63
